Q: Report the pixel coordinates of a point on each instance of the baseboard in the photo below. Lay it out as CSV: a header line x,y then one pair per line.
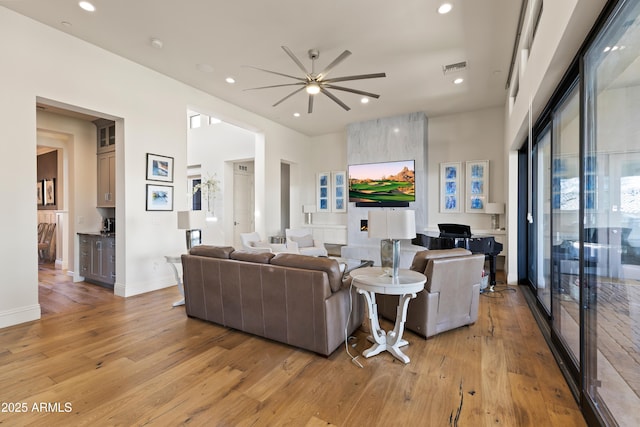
x,y
19,315
131,289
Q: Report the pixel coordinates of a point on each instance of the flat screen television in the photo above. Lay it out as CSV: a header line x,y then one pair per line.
x,y
384,184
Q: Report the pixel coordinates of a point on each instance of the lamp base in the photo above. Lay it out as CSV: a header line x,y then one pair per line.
x,y
495,222
307,218
390,256
194,238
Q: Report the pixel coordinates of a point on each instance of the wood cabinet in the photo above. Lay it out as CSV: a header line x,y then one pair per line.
x,y
106,135
98,259
107,180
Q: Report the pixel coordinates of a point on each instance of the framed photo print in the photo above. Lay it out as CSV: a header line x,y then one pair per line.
x,y
39,193
477,186
450,191
49,192
323,189
159,168
159,197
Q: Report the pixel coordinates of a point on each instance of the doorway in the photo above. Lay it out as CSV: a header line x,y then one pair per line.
x,y
243,200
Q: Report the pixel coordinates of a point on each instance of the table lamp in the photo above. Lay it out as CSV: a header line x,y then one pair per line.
x,y
391,226
308,210
192,221
495,209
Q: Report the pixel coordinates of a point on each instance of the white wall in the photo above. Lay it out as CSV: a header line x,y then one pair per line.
x,y
53,65
328,153
562,28
474,135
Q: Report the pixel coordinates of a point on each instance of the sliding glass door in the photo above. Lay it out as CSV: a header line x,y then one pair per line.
x,y
611,243
541,225
565,224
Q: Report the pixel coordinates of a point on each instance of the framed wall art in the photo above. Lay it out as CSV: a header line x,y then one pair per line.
x,y
339,191
477,187
159,197
49,188
39,193
159,168
323,192
450,191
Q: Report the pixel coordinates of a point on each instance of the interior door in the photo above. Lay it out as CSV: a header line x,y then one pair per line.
x,y
243,201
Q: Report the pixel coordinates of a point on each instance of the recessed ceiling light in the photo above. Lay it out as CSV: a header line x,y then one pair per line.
x,y
364,100
205,68
607,49
458,81
157,43
445,8
296,114
87,6
230,80
65,24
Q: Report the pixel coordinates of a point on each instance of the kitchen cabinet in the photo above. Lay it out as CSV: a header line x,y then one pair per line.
x,y
106,130
107,180
97,260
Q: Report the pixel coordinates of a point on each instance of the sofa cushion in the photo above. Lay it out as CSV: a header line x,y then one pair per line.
x,y
305,241
421,259
212,251
328,265
257,257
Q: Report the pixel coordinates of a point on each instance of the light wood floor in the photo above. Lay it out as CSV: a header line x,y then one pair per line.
x,y
138,361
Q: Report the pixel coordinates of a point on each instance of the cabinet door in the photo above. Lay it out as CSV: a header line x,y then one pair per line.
x,y
85,255
96,258
108,260
106,137
106,180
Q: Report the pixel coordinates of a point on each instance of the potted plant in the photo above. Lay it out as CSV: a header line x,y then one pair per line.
x,y
208,188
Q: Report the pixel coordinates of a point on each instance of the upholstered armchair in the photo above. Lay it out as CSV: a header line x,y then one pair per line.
x,y
300,240
251,242
451,293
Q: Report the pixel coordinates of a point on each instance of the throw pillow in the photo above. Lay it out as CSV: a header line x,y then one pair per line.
x,y
305,241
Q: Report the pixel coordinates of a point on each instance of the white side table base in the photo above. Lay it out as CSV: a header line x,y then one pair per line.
x,y
387,341
173,260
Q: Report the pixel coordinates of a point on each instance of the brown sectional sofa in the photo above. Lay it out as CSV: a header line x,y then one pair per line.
x,y
295,299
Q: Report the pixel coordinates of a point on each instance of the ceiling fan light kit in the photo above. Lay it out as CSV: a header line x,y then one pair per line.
x,y
314,83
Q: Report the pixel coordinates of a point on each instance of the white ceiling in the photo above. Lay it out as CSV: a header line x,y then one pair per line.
x,y
408,40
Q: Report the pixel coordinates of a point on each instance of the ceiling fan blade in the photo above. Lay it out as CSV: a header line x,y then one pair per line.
x,y
358,77
359,92
310,104
335,62
295,59
268,87
277,73
334,98
288,96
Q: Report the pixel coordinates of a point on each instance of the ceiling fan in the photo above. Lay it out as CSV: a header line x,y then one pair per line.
x,y
315,83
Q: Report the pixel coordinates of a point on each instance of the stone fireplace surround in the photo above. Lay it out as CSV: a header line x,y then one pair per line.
x,y
388,139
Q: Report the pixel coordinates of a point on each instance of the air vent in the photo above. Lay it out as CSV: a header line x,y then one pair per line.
x,y
453,68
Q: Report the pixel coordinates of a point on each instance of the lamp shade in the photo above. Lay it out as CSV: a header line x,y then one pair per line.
x,y
494,208
190,220
309,209
392,224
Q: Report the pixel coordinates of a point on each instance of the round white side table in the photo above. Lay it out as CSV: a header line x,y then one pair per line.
x,y
370,281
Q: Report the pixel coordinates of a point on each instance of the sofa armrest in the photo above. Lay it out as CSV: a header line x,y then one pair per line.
x,y
292,246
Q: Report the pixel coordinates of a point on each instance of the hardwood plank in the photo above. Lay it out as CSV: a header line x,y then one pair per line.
x,y
141,361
